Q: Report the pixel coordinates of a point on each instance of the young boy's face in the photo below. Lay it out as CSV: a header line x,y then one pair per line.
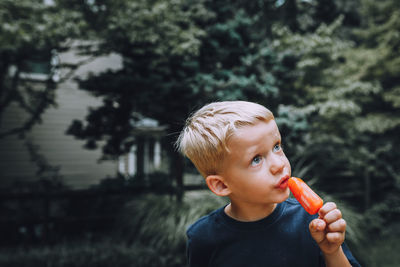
x,y
256,170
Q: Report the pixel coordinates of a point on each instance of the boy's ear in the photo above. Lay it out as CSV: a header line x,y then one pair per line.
x,y
217,185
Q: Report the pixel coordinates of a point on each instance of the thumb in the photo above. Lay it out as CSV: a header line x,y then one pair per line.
x,y
317,227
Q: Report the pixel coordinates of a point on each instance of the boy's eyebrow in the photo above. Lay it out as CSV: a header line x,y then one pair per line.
x,y
255,148
252,151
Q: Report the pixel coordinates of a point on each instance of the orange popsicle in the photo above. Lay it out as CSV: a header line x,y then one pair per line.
x,y
310,201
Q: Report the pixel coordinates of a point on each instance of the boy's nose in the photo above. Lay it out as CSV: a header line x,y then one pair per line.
x,y
277,164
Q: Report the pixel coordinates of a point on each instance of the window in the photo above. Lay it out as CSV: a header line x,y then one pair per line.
x,y
42,66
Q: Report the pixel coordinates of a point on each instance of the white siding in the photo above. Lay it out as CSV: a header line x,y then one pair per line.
x,y
79,167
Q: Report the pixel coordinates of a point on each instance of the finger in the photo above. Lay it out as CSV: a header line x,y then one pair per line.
x,y
327,207
317,227
332,216
335,237
337,226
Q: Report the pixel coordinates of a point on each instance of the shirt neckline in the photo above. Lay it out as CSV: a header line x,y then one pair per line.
x,y
264,222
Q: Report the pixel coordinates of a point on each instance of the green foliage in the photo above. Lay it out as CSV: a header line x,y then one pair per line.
x,y
328,72
28,26
195,53
88,254
161,29
30,30
160,222
149,231
339,111
158,62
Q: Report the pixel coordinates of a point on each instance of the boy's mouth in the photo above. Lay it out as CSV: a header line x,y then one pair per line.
x,y
283,182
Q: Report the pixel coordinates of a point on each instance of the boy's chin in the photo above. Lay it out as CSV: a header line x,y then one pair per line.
x,y
284,197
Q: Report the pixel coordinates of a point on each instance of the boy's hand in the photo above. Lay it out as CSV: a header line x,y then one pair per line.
x,y
329,229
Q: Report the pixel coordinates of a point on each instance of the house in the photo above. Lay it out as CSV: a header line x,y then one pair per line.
x,y
76,166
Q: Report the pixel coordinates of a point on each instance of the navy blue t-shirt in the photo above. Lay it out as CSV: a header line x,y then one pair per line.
x,y
281,239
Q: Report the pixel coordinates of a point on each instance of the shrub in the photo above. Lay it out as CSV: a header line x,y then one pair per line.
x,y
149,231
159,223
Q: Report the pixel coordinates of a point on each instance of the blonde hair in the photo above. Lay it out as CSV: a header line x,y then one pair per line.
x,y
204,137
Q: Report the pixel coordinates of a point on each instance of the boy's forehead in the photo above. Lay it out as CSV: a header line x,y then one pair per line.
x,y
269,126
253,134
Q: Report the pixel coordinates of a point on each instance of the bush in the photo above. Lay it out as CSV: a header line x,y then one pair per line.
x,y
149,231
159,223
69,255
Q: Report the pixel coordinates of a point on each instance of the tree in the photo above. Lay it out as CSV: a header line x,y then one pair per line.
x,y
349,125
380,42
177,56
157,41
31,31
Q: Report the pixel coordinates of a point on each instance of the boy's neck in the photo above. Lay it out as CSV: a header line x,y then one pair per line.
x,y
249,213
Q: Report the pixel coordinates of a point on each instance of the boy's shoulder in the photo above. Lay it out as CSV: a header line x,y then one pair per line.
x,y
205,225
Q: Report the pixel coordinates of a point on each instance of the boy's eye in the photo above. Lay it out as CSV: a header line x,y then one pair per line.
x,y
256,160
277,147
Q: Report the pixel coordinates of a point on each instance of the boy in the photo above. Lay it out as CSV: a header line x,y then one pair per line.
x,y
236,146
